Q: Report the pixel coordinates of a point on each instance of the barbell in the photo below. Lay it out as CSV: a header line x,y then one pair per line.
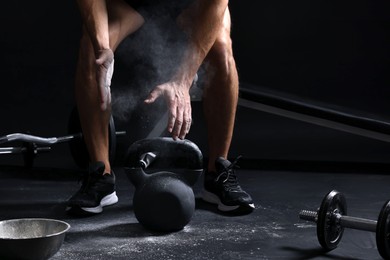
x,y
32,145
332,218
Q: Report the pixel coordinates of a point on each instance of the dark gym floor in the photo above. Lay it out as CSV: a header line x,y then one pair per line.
x,y
272,231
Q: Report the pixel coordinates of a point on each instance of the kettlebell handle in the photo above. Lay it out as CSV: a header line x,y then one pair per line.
x,y
146,159
137,174
171,154
181,157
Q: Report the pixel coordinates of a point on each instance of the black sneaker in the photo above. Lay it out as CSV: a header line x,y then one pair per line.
x,y
97,191
222,188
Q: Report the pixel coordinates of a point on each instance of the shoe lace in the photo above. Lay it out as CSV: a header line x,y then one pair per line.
x,y
230,180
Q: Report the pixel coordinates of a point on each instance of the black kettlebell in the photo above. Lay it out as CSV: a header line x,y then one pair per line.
x,y
163,200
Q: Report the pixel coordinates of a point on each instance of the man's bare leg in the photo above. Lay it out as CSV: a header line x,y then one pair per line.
x,y
98,188
93,120
220,99
207,24
220,95
123,20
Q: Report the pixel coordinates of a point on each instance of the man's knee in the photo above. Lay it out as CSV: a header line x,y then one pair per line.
x,y
221,56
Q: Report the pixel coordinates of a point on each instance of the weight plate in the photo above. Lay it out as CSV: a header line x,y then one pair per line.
x,y
383,231
329,231
77,146
112,140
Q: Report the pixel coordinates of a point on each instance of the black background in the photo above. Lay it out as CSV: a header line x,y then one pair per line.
x,y
332,51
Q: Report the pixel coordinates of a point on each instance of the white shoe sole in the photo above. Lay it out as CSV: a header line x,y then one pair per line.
x,y
108,200
212,198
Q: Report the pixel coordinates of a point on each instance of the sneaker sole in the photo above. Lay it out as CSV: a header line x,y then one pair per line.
x,y
212,198
108,200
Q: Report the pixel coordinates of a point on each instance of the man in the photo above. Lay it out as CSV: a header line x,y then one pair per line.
x,y
207,24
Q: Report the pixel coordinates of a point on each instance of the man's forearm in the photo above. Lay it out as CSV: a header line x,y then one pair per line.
x,y
95,18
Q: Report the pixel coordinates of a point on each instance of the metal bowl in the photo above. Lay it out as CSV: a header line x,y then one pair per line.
x,y
31,238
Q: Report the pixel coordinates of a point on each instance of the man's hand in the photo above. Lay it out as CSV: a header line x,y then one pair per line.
x,y
179,107
104,72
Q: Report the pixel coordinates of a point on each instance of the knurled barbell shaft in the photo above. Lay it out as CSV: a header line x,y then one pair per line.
x,y
345,221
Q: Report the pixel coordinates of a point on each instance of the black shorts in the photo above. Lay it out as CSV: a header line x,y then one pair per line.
x,y
155,9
